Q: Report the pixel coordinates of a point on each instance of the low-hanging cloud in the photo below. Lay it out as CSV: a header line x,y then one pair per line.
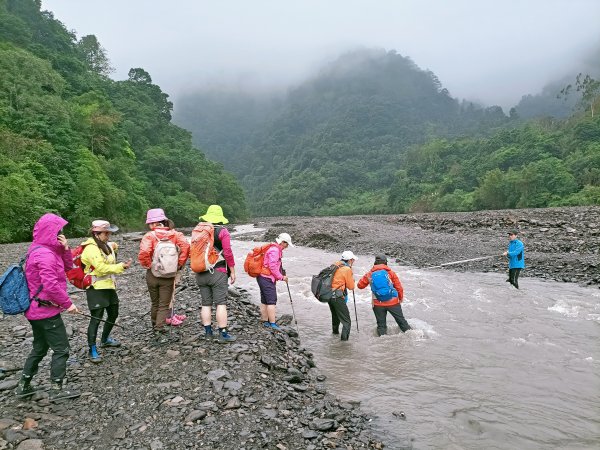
x,y
489,51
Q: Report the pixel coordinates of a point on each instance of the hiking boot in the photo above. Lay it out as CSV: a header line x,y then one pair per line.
x,y
24,389
94,355
275,327
110,342
57,392
160,337
225,337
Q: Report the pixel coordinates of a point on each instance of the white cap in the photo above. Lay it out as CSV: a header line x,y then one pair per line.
x,y
284,237
348,255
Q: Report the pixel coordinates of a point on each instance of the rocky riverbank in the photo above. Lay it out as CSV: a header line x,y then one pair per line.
x,y
262,391
561,244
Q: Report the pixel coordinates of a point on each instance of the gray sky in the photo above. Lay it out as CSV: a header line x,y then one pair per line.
x,y
492,51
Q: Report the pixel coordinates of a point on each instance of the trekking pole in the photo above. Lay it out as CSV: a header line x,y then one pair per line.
x,y
100,320
79,313
355,313
462,261
293,312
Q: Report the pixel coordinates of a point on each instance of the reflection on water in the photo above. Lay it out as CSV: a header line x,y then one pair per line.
x,y
486,366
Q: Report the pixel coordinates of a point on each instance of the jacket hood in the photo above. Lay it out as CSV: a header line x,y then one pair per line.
x,y
164,233
46,229
380,267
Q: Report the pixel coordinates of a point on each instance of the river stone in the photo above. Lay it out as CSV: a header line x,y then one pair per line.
x,y
233,385
31,444
268,413
233,403
322,424
206,406
195,415
7,423
215,375
309,434
156,445
9,384
13,436
29,424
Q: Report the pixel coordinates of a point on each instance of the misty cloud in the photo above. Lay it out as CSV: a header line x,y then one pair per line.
x,y
489,51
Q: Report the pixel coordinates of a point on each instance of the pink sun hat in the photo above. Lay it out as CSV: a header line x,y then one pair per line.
x,y
155,215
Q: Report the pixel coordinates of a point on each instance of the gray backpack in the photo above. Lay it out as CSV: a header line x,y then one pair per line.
x,y
321,285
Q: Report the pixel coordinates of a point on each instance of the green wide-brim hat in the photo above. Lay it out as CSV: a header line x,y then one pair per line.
x,y
214,214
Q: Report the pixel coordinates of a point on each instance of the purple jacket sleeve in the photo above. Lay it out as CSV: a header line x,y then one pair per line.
x,y
225,239
273,262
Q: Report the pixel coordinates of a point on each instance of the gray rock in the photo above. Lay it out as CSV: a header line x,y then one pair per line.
x,y
233,403
7,423
233,385
218,374
322,424
309,434
31,444
9,384
156,445
195,415
207,406
268,413
13,436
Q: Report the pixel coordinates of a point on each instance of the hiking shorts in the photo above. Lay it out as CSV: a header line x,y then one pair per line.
x,y
268,291
213,287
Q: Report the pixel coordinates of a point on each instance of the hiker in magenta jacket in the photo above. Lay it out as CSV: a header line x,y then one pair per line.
x,y
271,273
49,258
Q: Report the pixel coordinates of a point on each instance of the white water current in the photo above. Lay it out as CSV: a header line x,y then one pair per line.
x,y
486,366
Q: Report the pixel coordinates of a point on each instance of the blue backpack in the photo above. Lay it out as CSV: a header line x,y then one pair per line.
x,y
382,286
14,293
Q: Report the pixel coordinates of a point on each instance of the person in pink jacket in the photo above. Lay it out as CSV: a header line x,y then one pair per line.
x,y
49,257
272,272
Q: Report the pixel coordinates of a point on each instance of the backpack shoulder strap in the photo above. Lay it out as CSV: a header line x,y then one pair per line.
x,y
28,254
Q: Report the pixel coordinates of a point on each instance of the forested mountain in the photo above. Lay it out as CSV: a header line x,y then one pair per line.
x,y
76,142
334,143
373,133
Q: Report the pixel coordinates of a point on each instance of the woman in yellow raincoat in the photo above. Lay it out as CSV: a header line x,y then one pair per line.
x,y
100,261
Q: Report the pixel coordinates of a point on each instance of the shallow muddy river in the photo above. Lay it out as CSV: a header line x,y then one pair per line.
x,y
486,366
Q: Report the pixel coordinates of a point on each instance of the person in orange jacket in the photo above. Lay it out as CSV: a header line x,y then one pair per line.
x,y
160,288
387,294
343,280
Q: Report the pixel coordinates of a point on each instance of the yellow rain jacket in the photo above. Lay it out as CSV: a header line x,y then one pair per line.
x,y
105,266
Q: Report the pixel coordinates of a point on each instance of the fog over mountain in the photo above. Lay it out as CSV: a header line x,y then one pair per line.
x,y
487,51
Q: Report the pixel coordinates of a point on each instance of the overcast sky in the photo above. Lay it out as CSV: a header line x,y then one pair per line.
x,y
492,51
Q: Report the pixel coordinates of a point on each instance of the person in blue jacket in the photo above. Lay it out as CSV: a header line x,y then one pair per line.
x,y
516,258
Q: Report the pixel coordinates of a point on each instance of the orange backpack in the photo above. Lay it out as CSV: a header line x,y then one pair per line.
x,y
203,255
253,265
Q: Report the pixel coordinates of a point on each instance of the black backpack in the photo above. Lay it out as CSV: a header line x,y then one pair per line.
x,y
321,285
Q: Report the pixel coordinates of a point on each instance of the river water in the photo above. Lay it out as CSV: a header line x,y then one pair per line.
x,y
486,366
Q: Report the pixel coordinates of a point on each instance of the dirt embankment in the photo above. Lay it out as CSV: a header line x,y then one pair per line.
x,y
262,391
560,243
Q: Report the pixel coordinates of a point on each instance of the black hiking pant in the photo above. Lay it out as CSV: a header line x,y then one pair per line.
x,y
340,314
112,313
513,277
48,334
100,300
396,312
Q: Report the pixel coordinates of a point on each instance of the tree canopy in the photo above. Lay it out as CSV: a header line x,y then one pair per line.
x,y
75,142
